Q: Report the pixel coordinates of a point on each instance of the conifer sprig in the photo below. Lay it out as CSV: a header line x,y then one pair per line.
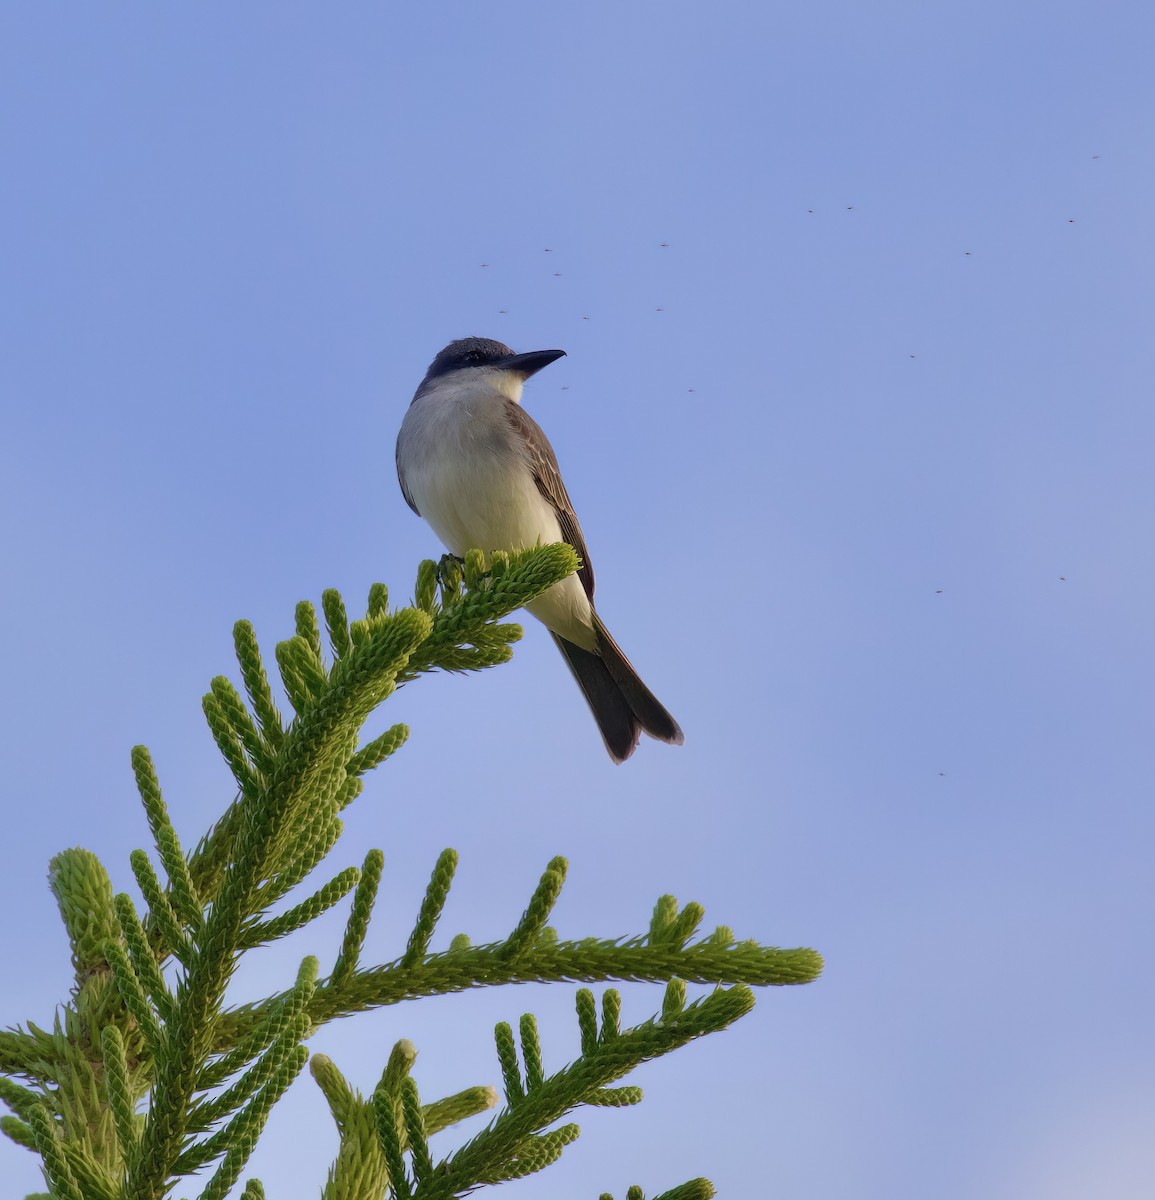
x,y
715,959
145,1078
285,781
692,1189
519,1141
544,1100
358,923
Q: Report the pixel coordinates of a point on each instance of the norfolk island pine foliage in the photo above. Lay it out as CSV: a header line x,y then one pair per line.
x,y
146,1079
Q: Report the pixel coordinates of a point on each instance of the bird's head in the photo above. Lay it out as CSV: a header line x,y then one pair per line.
x,y
467,357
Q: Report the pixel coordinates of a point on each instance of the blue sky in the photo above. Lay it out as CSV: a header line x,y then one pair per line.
x,y
856,416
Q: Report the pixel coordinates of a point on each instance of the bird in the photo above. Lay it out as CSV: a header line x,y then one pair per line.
x,y
479,470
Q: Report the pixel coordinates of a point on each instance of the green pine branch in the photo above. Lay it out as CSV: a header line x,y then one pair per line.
x,y
590,960
146,1078
519,1141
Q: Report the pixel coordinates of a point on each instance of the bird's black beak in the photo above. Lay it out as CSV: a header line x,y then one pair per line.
x,y
531,362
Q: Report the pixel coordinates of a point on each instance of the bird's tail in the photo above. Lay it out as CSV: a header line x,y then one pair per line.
x,y
621,703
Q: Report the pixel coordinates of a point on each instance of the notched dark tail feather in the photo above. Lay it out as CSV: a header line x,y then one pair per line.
x,y
650,712
621,703
619,727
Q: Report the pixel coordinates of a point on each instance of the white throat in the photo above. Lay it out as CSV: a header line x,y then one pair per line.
x,y
466,383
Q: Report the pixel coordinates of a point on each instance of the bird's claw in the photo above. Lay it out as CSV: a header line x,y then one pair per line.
x,y
450,572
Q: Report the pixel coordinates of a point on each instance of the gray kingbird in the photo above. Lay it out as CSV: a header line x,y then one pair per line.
x,y
478,468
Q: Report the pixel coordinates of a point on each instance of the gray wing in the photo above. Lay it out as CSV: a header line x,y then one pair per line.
x,y
547,476
401,480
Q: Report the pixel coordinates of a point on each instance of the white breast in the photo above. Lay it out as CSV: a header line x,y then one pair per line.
x,y
469,477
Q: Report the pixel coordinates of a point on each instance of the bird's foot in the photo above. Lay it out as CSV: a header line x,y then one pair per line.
x,y
450,572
